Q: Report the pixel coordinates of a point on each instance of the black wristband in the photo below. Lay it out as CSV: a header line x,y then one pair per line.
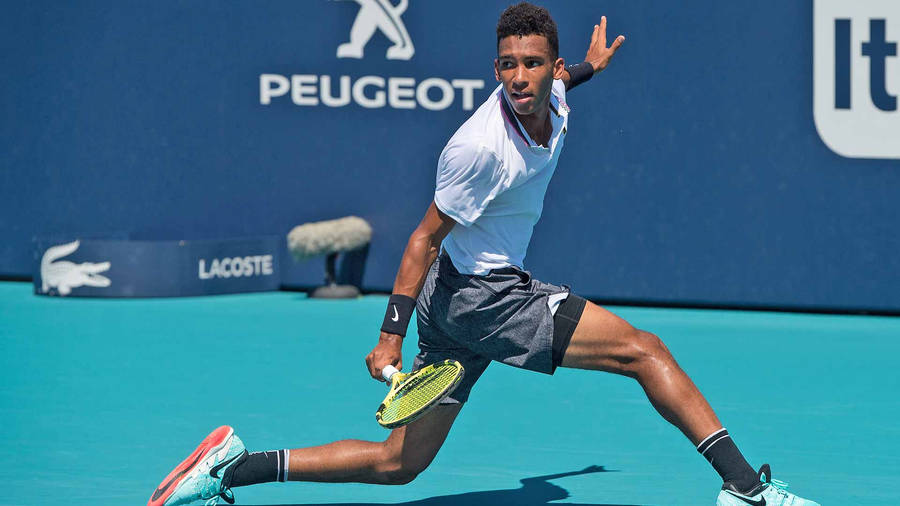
x,y
399,311
579,73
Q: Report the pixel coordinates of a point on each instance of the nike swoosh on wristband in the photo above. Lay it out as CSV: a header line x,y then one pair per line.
x,y
760,502
396,316
214,472
162,490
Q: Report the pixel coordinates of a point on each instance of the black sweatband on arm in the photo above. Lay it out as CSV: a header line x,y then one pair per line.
x,y
579,73
399,311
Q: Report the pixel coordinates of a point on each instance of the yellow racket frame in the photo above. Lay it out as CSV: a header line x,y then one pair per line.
x,y
406,386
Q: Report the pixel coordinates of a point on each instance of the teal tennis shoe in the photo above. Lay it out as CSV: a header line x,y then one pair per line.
x,y
205,474
768,493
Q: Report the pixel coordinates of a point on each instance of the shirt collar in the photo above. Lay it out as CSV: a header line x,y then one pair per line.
x,y
507,111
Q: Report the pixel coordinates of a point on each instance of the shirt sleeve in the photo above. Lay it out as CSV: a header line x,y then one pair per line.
x,y
469,177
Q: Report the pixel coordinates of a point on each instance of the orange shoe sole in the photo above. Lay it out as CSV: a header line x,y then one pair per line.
x,y
211,444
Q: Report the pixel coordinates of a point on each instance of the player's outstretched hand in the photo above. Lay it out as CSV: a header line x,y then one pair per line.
x,y
388,351
598,55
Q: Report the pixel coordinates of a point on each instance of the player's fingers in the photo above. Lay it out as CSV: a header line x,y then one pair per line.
x,y
616,43
603,30
370,365
595,34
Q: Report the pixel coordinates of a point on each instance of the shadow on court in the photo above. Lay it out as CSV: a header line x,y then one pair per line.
x,y
533,492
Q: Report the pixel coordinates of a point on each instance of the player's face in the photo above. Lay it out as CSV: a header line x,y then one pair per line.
x,y
526,68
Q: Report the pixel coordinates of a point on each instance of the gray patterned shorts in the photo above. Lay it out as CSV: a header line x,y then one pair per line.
x,y
503,316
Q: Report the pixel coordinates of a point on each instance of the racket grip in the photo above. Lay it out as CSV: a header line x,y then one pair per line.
x,y
388,372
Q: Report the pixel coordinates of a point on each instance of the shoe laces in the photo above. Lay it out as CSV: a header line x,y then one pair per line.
x,y
226,494
780,486
213,485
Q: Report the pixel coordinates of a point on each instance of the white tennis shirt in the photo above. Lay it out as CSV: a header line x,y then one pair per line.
x,y
491,180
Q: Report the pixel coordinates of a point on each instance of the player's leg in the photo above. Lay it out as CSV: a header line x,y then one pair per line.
x,y
221,463
405,453
399,459
603,341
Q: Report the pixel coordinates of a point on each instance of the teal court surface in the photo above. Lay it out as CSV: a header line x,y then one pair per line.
x,y
99,399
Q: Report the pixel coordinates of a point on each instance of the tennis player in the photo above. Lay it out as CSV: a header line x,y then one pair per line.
x,y
462,271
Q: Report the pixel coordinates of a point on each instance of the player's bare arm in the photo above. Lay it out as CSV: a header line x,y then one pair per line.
x,y
598,55
421,250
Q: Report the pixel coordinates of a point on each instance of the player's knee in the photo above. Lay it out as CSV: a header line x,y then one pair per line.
x,y
394,470
401,476
646,351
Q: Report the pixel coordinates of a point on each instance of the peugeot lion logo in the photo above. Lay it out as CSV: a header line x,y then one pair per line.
x,y
380,14
64,276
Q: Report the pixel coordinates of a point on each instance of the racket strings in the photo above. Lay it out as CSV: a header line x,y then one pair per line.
x,y
419,392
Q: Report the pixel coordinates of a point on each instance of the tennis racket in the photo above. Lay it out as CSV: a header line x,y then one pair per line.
x,y
413,394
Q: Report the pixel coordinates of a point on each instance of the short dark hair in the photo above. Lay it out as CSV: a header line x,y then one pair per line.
x,y
528,19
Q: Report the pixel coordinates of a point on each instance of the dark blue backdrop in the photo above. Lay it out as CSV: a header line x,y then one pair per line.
x,y
693,172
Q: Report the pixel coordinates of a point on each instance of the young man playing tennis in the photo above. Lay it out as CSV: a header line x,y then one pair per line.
x,y
462,271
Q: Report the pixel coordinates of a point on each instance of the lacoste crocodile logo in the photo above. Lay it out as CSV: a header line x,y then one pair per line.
x,y
384,16
64,276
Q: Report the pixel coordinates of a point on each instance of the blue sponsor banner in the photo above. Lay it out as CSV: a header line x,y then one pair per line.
x,y
123,268
693,172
